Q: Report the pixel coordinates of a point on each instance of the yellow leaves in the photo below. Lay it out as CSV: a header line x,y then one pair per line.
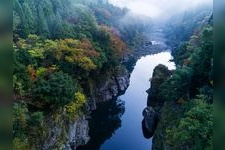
x,y
69,59
73,108
76,52
67,44
41,71
86,63
51,45
80,98
38,53
79,58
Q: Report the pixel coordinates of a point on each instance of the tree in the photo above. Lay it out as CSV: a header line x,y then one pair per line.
x,y
195,129
20,118
177,86
42,23
115,46
73,109
57,88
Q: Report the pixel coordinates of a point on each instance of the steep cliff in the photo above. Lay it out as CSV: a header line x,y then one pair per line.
x,y
70,134
183,100
66,134
152,112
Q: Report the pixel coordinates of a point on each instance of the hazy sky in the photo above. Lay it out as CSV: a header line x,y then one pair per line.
x,y
156,8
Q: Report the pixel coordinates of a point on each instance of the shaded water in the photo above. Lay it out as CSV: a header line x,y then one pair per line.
x,y
116,125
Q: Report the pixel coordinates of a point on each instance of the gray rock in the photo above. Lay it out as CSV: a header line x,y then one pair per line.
x,y
75,133
150,120
112,86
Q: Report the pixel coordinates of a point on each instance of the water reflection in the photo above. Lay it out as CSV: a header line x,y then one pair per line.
x,y
103,123
107,131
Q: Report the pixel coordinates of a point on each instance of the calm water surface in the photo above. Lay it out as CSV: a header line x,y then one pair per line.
x,y
116,125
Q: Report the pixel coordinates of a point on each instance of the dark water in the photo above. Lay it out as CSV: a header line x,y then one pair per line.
x,y
116,125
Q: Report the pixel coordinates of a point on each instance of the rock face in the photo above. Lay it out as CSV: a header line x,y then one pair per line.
x,y
149,122
67,135
152,112
112,87
160,74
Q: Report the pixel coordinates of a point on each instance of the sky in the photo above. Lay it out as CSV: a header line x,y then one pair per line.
x,y
157,8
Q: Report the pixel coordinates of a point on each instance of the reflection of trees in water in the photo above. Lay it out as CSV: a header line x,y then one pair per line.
x,y
103,123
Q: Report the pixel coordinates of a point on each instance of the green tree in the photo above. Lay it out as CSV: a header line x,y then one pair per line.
x,y
177,86
42,23
20,118
57,88
195,129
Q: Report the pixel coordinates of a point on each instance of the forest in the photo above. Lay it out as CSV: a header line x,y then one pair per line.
x,y
189,93
58,46
67,54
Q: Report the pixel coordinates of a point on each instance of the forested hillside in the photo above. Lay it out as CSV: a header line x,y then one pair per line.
x,y
180,27
60,48
72,56
186,116
78,19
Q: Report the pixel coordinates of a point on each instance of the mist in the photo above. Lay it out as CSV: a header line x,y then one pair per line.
x,y
163,9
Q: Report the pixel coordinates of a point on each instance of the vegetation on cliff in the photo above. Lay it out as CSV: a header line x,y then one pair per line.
x,y
186,118
59,46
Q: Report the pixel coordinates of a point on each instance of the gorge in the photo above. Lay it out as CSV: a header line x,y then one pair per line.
x,y
96,75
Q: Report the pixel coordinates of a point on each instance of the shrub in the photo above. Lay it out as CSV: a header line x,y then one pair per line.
x,y
56,88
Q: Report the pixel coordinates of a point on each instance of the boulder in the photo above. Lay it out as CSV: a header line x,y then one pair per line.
x,y
149,123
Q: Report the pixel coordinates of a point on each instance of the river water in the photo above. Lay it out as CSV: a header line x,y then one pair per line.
x,y
116,125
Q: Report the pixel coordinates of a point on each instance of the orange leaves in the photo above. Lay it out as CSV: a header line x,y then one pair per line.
x,y
77,52
35,73
80,53
88,48
85,44
117,44
84,47
32,72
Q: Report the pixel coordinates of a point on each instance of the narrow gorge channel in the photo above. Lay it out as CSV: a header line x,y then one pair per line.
x,y
117,124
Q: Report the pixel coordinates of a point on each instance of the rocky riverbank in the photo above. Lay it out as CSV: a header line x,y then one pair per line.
x,y
108,86
67,134
104,88
152,112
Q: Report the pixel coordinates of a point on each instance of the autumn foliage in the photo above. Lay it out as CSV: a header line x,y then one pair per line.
x,y
117,44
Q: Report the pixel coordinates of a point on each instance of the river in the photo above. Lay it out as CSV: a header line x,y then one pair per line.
x,y
116,125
